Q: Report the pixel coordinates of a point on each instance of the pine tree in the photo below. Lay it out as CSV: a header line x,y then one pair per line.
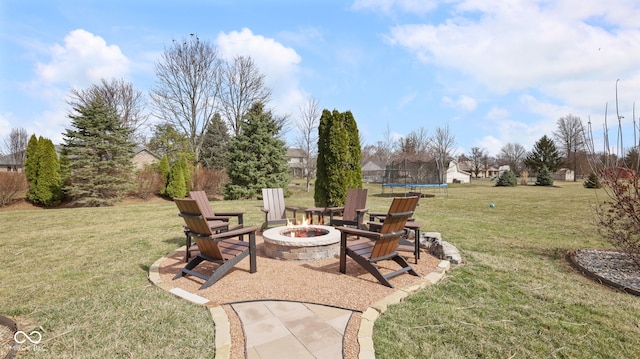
x,y
256,156
508,179
99,150
544,178
544,154
593,181
214,146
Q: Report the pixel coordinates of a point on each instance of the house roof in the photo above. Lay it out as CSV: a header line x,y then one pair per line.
x,y
295,152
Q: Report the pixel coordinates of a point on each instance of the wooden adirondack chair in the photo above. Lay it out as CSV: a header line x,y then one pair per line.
x,y
217,223
373,246
208,213
223,248
275,211
353,211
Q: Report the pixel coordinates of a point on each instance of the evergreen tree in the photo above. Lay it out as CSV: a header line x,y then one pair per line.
x,y
544,154
215,144
354,153
339,156
544,178
507,179
176,187
48,187
43,172
593,181
164,170
256,156
99,150
32,160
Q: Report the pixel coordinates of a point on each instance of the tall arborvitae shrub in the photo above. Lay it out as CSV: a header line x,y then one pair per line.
x,y
164,170
508,179
32,160
339,154
354,152
43,172
176,187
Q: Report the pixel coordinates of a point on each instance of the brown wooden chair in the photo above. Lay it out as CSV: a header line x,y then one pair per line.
x,y
218,223
275,211
208,213
405,245
223,248
373,246
353,211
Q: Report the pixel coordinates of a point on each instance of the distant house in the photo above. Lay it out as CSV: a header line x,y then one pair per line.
x,y
372,173
564,174
297,162
143,157
455,174
8,164
469,166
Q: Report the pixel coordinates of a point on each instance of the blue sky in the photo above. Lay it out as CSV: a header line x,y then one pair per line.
x,y
493,71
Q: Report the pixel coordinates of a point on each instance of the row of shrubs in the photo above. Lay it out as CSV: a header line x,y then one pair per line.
x,y
148,182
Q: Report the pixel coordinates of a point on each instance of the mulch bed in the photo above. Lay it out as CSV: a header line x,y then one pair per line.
x,y
610,267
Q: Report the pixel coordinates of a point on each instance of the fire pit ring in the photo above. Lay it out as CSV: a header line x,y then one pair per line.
x,y
323,244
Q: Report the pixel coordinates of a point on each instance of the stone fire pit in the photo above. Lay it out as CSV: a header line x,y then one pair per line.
x,y
301,242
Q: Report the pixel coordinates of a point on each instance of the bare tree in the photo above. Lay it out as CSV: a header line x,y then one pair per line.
x,y
187,90
478,157
513,154
242,86
442,146
570,136
415,146
16,147
307,140
128,102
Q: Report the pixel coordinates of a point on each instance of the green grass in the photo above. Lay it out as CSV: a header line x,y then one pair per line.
x,y
81,276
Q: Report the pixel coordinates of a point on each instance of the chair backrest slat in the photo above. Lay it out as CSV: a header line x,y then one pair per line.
x,y
400,211
273,199
198,226
356,199
203,203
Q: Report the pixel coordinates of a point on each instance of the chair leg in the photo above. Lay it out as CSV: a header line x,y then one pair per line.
x,y
343,253
404,264
188,245
223,269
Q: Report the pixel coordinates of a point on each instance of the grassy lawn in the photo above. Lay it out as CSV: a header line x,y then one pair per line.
x,y
80,276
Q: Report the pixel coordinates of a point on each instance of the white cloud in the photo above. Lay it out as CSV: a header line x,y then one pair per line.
x,y
567,50
279,64
84,59
388,7
463,103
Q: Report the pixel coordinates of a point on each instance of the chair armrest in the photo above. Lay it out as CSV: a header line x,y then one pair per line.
x,y
234,233
360,232
239,215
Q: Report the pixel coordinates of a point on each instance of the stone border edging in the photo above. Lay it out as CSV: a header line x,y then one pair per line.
x,y
371,314
222,325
